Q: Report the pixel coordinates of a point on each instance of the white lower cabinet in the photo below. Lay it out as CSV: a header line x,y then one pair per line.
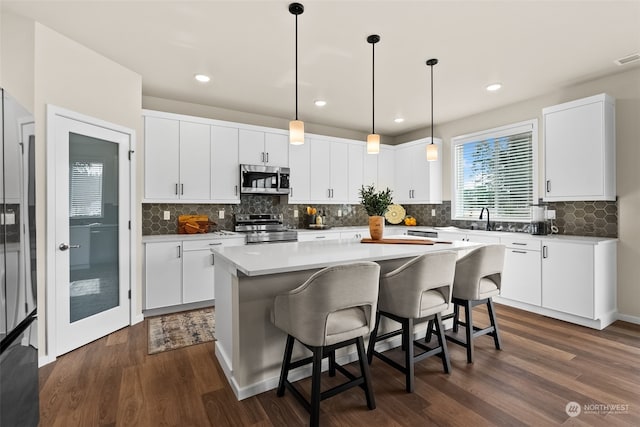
x,y
579,279
571,280
355,235
316,236
181,272
163,274
521,276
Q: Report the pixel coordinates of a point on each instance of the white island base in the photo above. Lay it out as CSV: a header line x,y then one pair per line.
x,y
248,346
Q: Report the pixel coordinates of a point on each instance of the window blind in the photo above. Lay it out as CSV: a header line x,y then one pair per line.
x,y
85,192
495,169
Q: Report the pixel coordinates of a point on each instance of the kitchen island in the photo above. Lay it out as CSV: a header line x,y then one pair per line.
x,y
248,346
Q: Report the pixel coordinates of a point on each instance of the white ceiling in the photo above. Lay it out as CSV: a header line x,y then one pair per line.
x,y
531,47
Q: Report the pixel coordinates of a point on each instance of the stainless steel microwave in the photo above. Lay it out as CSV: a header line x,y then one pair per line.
x,y
258,179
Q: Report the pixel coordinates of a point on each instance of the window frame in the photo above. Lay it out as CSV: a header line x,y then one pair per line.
x,y
497,132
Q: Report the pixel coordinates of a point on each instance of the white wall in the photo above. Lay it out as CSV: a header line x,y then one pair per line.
x,y
625,87
53,69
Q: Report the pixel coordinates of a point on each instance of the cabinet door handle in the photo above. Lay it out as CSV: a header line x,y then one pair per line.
x,y
213,262
548,186
179,252
290,191
519,244
320,237
176,188
182,189
519,252
332,193
544,252
262,157
267,157
236,189
215,244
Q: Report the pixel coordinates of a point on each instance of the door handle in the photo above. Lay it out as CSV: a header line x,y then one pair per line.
x,y
544,252
267,157
291,192
213,261
64,246
236,190
548,186
262,157
182,189
179,252
176,188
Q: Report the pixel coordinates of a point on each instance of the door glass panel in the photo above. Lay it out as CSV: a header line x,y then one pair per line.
x,y
93,226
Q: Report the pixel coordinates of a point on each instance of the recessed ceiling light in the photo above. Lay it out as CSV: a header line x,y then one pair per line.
x,y
320,103
398,120
202,78
494,87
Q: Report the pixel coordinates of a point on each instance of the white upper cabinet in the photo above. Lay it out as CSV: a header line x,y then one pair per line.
x,y
195,161
161,158
276,145
329,173
356,172
225,167
299,178
416,179
386,168
579,150
263,148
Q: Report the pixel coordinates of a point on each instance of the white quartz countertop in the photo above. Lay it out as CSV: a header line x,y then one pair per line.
x,y
191,237
262,259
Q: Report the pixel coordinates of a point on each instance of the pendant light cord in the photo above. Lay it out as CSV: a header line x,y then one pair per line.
x,y
431,104
297,67
373,88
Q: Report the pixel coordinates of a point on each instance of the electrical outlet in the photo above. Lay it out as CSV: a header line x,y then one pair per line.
x,y
295,213
551,214
167,215
433,212
339,212
221,214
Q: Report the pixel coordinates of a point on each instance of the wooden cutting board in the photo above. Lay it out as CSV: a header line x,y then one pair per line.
x,y
190,224
399,241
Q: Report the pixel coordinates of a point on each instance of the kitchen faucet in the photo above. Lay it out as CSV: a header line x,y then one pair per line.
x,y
488,227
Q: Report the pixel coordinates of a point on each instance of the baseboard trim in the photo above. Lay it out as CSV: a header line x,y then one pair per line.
x,y
629,318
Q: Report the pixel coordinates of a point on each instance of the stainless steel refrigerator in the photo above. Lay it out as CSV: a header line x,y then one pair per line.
x,y
19,403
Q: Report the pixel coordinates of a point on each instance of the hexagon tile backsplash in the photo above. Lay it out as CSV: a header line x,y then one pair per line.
x,y
599,218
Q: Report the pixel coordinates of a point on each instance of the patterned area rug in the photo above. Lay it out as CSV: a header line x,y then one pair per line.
x,y
178,330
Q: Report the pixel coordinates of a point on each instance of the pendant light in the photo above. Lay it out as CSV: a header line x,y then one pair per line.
x,y
296,127
373,139
432,149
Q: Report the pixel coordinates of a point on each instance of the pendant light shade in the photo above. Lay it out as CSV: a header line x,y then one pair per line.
x,y
373,143
296,127
373,139
432,149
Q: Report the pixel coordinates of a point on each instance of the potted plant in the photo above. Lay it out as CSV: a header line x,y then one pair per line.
x,y
376,204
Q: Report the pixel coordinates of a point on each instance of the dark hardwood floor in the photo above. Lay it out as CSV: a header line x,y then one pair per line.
x,y
545,364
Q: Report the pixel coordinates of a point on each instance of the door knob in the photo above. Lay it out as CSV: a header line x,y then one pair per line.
x,y
64,246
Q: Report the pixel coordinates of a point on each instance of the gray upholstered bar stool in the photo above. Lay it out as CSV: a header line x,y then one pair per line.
x,y
334,308
416,291
478,279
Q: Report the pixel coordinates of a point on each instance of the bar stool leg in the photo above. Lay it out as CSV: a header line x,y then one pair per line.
x,y
468,310
456,314
407,337
372,339
315,386
332,363
446,363
427,337
286,361
494,323
364,371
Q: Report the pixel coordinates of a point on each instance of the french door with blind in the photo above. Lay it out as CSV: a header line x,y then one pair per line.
x,y
90,234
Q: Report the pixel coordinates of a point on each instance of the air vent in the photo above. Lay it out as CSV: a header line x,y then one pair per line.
x,y
627,59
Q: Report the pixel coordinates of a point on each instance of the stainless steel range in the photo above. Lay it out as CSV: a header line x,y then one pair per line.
x,y
264,228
